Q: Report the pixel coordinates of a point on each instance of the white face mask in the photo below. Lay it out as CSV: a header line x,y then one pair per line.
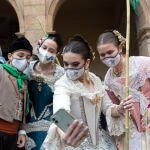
x,y
112,61
45,57
74,74
27,71
20,64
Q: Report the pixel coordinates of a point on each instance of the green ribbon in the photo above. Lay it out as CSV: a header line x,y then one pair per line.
x,y
20,78
134,4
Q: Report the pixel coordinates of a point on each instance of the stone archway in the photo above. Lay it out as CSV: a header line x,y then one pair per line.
x,y
51,11
90,19
9,25
19,11
142,24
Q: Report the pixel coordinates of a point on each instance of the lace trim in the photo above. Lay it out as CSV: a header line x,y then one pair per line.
x,y
81,88
115,125
52,140
42,125
138,76
104,143
46,112
30,144
59,71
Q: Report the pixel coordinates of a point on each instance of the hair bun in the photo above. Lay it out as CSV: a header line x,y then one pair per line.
x,y
53,36
77,37
80,38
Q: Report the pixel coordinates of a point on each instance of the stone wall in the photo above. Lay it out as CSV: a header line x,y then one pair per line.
x,y
45,10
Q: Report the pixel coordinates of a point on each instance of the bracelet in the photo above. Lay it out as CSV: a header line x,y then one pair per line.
x,y
22,132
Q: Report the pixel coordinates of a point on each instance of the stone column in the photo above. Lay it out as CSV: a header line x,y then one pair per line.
x,y
143,28
34,10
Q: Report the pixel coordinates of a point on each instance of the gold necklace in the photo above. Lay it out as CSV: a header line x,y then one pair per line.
x,y
117,72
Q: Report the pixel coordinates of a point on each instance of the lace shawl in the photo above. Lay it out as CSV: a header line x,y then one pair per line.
x,y
139,71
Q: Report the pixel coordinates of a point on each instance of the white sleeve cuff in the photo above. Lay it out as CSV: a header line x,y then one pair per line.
x,y
22,132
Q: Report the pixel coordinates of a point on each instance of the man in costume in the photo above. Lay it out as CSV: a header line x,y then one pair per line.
x,y
14,95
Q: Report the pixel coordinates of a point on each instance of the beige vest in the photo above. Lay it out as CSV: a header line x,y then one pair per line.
x,y
8,96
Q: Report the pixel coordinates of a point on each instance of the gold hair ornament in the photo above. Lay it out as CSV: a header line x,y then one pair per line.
x,y
121,39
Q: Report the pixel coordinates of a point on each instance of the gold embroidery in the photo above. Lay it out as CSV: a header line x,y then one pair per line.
x,y
39,81
89,138
85,119
95,101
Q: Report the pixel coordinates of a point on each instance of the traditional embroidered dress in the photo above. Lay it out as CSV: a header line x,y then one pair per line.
x,y
77,100
41,96
139,88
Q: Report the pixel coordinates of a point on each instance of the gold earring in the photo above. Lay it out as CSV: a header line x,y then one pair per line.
x,y
87,74
57,61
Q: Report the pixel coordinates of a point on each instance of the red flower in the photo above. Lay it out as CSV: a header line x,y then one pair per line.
x,y
148,106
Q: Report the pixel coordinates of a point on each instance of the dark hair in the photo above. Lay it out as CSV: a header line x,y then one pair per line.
x,y
80,46
53,36
56,38
108,37
35,57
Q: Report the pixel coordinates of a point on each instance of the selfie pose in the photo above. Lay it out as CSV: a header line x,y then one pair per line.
x,y
110,45
81,93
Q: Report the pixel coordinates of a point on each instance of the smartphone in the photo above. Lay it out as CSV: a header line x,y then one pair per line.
x,y
62,119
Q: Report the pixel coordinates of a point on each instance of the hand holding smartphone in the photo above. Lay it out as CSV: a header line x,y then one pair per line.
x,y
62,119
76,134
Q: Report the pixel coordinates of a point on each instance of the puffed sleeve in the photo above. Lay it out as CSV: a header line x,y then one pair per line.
x,y
115,124
61,100
61,97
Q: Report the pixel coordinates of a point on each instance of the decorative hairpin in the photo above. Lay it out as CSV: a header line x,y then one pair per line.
x,y
121,39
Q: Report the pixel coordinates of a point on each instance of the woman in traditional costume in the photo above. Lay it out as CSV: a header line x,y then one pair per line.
x,y
44,73
81,93
110,45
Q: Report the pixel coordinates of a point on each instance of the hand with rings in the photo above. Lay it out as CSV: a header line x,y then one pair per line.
x,y
75,134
